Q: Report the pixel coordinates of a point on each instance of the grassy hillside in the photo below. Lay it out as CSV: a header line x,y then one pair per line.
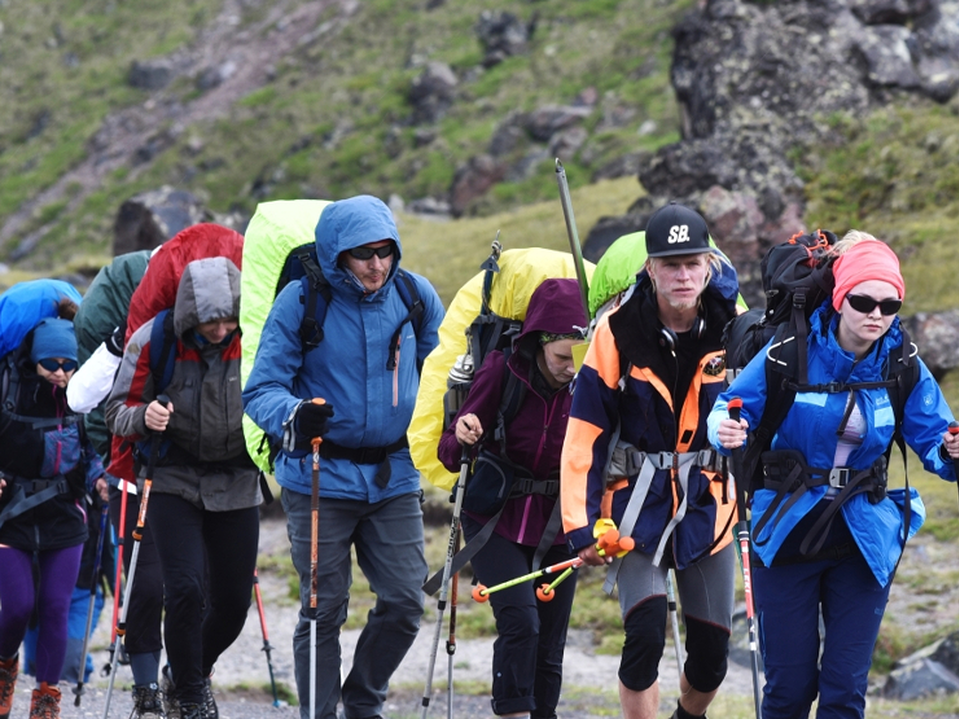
x,y
333,120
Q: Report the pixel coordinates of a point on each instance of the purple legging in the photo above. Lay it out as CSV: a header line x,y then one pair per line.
x,y
58,575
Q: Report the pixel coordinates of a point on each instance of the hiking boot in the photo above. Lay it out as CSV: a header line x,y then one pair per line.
x,y
9,670
209,703
171,706
193,711
45,703
147,703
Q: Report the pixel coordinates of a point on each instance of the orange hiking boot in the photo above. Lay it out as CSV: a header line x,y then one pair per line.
x,y
45,703
9,669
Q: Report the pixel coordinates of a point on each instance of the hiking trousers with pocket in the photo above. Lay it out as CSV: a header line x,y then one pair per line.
x,y
788,602
388,539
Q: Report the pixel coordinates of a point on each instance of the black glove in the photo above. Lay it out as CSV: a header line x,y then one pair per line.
x,y
114,342
311,418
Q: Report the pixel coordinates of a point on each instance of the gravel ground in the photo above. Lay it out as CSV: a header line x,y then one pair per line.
x,y
241,680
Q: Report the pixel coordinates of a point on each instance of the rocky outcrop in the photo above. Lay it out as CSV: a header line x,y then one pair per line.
x,y
757,83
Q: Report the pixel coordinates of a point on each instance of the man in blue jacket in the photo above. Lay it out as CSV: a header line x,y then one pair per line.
x,y
366,369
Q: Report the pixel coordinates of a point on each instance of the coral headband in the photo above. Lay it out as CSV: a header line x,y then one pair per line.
x,y
866,260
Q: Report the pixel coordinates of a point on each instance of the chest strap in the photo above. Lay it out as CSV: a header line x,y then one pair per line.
x,y
25,494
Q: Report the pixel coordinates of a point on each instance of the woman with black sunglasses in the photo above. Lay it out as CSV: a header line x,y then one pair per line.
x,y
47,466
827,532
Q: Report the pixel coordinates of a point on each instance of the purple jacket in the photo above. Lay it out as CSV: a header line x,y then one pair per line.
x,y
534,436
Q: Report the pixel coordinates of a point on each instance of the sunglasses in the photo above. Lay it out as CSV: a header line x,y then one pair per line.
x,y
366,253
866,304
51,365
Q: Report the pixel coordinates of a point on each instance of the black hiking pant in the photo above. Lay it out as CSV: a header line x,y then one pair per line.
x,y
193,543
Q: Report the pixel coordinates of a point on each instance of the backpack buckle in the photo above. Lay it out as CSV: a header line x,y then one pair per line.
x,y
839,477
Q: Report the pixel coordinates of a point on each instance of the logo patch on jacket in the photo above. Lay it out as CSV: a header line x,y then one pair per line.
x,y
715,367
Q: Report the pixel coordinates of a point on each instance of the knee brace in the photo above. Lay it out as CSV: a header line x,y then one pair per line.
x,y
645,627
706,661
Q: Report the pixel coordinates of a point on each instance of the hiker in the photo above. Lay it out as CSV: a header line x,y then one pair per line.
x,y
664,343
855,524
47,466
369,490
531,635
203,507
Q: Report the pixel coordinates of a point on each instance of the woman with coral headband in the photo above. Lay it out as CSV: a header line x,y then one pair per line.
x,y
827,532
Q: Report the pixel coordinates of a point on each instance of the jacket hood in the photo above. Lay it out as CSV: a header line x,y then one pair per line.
x,y
209,290
556,306
823,329
349,223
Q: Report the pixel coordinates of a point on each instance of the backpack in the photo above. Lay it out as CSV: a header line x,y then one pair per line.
x,y
797,279
22,308
280,248
157,290
501,292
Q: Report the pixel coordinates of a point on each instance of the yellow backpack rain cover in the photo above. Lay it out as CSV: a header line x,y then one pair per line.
x,y
521,272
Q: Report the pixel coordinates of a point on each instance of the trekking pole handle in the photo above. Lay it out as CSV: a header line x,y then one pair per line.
x,y
734,408
954,430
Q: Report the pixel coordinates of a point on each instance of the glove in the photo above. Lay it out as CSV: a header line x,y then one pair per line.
x,y
311,419
114,342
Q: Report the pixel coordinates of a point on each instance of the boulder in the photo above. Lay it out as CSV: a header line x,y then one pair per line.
x,y
473,180
150,74
432,92
151,218
502,35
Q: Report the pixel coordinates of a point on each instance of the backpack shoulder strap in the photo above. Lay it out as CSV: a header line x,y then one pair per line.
x,y
162,350
414,314
316,299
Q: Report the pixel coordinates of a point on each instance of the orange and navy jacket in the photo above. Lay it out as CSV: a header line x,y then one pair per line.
x,y
630,337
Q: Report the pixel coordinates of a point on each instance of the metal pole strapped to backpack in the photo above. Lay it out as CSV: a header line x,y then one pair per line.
x,y
574,245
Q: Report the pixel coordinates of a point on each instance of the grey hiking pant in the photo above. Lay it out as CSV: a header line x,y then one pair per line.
x,y
388,538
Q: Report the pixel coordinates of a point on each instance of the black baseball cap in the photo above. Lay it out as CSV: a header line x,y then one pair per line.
x,y
676,230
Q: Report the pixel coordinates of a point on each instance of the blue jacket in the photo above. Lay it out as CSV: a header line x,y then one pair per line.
x,y
810,427
372,404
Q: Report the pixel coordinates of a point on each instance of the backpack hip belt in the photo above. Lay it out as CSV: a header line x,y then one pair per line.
x,y
362,455
649,462
785,471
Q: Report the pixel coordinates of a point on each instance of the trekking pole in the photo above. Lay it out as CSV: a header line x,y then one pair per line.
x,y
266,639
609,544
94,583
451,642
447,571
121,627
118,578
574,245
742,534
314,557
953,430
674,620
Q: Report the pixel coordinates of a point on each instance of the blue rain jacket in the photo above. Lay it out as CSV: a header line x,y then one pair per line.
x,y
810,427
372,404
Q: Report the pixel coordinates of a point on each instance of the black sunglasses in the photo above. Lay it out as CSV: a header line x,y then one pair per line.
x,y
365,253
866,304
51,365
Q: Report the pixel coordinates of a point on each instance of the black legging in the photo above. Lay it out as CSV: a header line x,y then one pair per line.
x,y
186,537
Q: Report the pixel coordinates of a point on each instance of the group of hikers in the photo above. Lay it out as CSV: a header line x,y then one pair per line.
x,y
640,435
